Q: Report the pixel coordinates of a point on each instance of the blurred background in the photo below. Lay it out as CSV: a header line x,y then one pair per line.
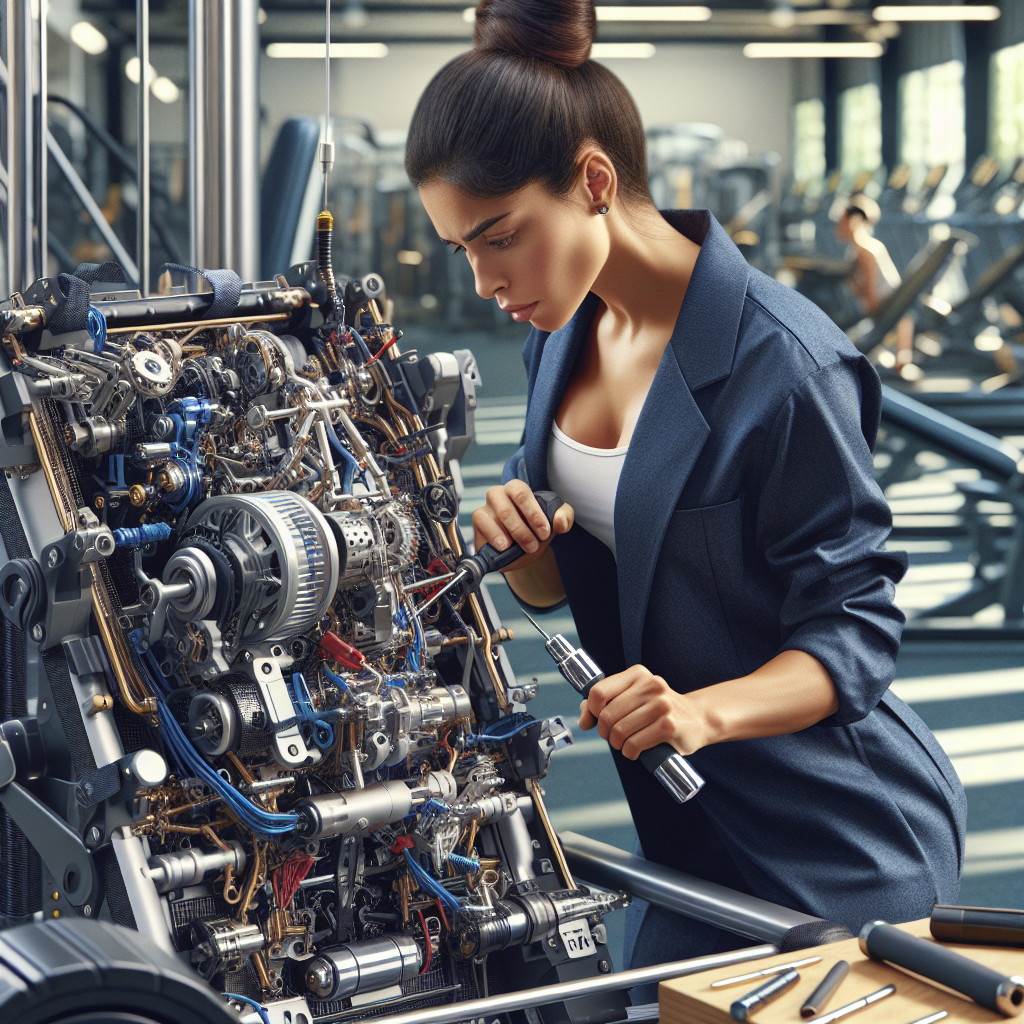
x,y
870,157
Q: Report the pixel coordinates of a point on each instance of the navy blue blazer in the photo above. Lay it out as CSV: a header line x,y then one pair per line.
x,y
748,522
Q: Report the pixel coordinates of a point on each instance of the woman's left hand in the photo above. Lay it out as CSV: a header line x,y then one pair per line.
x,y
636,710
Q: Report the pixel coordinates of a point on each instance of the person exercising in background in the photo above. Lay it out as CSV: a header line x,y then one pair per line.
x,y
875,276
723,543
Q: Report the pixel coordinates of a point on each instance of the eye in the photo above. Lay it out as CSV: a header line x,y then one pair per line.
x,y
502,243
457,249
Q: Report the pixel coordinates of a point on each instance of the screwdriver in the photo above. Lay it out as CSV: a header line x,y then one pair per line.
x,y
664,762
473,569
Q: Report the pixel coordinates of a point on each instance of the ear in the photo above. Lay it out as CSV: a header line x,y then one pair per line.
x,y
597,177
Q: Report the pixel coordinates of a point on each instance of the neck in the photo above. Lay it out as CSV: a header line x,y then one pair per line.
x,y
645,277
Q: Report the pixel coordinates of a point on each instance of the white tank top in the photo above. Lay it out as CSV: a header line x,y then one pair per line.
x,y
586,478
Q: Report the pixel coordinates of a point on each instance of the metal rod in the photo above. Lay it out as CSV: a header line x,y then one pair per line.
x,y
142,207
92,207
20,58
714,904
39,134
196,131
216,322
473,1008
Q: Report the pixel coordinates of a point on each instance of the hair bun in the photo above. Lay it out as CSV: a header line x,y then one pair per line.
x,y
559,31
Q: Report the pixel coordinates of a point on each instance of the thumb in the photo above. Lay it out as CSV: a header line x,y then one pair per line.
x,y
563,519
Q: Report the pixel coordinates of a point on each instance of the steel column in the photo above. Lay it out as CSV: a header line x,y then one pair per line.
x,y
142,142
224,135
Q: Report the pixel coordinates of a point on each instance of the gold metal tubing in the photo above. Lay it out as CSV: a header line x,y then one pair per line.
x,y
223,321
533,787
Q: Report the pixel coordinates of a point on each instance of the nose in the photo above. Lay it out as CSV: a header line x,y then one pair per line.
x,y
488,281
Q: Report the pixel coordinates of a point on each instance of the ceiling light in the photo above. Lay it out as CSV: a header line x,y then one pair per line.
x,y
782,14
88,37
131,71
261,17
165,90
953,12
605,13
354,15
812,50
293,50
469,14
601,51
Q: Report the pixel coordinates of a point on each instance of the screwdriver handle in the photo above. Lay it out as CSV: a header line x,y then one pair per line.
x,y
490,559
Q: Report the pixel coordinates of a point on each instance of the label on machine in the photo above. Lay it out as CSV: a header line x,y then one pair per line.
x,y
577,938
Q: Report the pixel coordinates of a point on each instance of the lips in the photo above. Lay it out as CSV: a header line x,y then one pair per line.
x,y
520,313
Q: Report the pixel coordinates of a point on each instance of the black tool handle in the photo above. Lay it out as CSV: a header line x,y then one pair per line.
x,y
983,926
989,988
490,559
766,993
818,999
655,757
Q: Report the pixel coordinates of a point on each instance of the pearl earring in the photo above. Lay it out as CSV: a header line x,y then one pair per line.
x,y
602,210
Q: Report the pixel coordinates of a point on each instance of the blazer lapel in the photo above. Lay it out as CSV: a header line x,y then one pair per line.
x,y
671,430
560,349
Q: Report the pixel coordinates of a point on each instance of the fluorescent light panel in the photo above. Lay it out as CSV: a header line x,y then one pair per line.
x,y
605,50
316,50
812,50
88,37
608,13
952,12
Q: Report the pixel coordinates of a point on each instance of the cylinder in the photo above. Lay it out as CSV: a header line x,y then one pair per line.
x,y
989,988
224,135
341,814
189,867
364,967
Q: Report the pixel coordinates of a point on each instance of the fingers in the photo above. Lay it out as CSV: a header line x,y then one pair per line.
x,y
563,519
587,720
609,688
529,508
646,738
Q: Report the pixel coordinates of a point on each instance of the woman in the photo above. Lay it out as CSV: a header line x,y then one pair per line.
x,y
710,432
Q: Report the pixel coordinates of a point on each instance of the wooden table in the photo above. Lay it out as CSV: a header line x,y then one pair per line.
x,y
691,1000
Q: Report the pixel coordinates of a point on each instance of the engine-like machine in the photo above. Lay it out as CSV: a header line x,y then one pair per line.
x,y
229,723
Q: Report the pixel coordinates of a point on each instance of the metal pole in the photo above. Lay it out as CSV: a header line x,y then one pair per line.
x,y
39,134
528,998
735,912
21,179
224,135
142,210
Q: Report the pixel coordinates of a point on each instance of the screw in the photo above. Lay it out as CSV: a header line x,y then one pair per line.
x,y
87,910
38,632
56,913
604,966
100,501
53,557
267,668
54,895
552,944
93,836
293,750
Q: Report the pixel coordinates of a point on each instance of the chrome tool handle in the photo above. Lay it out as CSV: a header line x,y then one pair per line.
x,y
673,771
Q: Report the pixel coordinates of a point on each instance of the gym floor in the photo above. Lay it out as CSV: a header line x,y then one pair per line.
x,y
970,694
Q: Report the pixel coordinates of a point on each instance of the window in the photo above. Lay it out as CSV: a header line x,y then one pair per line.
x,y
809,144
1006,119
860,129
932,122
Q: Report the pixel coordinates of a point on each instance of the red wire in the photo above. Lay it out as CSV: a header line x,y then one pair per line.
x,y
383,349
426,939
443,918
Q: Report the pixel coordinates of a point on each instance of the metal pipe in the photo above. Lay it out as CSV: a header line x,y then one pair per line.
x,y
142,160
714,904
224,135
39,133
491,1005
23,263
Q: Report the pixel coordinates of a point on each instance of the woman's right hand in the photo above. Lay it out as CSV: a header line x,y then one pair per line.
x,y
512,515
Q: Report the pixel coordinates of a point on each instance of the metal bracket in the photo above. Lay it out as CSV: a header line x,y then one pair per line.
x,y
59,846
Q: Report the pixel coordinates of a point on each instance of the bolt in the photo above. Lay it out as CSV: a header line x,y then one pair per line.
x,y
604,966
93,836
293,750
100,501
552,944
87,910
267,668
53,558
56,913
38,632
54,895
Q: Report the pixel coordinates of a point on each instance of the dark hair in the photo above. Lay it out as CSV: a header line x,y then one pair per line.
x,y
521,104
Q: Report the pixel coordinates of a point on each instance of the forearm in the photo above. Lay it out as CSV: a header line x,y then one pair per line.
x,y
791,692
538,584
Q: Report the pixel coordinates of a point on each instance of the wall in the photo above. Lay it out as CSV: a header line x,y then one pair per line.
x,y
750,99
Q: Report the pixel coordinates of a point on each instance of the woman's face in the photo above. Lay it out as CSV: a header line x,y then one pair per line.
x,y
536,253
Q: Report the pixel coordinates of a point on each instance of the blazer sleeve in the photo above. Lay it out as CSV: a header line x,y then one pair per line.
x,y
822,523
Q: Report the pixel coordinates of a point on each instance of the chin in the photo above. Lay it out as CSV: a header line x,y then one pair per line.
x,y
545,321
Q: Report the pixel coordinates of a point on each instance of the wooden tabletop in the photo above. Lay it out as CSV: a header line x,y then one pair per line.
x,y
691,1000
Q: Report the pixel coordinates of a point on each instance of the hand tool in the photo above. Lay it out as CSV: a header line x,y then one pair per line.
x,y
984,926
471,570
857,1004
766,973
664,762
818,999
993,990
770,990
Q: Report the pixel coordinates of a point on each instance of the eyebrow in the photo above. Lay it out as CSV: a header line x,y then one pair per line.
x,y
482,227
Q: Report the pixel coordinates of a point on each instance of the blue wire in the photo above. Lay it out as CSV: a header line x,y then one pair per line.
x,y
351,463
431,885
464,865
252,1002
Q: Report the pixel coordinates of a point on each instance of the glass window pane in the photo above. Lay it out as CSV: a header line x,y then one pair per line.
x,y
1006,123
860,129
809,144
